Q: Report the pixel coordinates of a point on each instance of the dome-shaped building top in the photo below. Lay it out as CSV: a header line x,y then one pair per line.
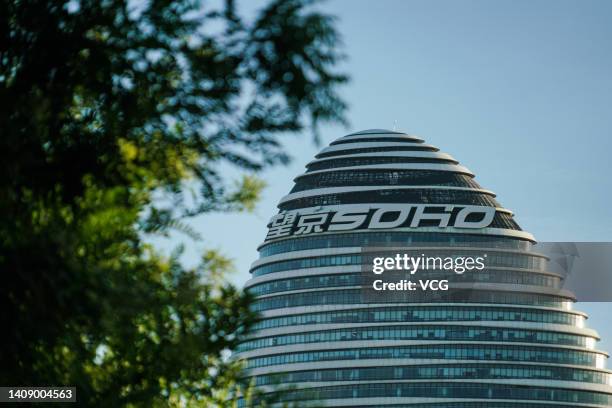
x,y
512,341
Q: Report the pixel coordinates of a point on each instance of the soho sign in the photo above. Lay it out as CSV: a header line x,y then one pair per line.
x,y
377,216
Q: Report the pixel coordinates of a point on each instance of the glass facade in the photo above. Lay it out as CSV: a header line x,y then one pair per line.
x,y
477,390
373,239
509,340
429,332
507,352
390,177
493,260
354,296
440,371
353,279
425,314
415,196
364,161
399,148
377,139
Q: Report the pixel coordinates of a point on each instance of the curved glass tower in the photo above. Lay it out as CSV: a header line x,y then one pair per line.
x,y
511,340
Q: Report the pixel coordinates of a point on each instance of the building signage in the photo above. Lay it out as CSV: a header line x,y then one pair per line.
x,y
377,216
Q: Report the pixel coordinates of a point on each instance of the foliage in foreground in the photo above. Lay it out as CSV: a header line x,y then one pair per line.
x,y
115,119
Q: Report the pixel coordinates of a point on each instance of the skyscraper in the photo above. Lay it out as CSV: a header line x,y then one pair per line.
x,y
511,340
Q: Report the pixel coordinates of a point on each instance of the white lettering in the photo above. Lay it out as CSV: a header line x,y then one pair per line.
x,y
420,215
402,215
487,212
347,220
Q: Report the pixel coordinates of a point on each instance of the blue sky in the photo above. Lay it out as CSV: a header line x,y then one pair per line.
x,y
519,91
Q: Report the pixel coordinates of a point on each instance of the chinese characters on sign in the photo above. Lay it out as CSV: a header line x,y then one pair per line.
x,y
378,216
